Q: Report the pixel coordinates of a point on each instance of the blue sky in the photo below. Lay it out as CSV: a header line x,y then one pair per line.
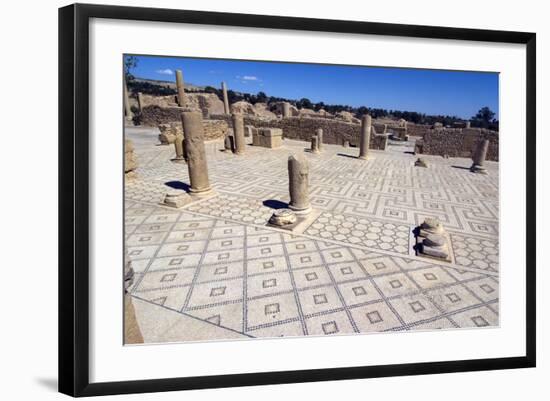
x,y
427,91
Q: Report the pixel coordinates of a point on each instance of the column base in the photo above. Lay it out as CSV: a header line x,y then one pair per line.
x,y
478,169
201,192
300,210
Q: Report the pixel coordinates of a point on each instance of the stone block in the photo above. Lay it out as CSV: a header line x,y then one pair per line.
x,y
270,137
177,199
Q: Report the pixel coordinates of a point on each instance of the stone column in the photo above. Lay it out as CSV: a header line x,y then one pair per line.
x,y
182,137
141,103
181,88
238,132
196,155
468,124
226,109
479,157
286,109
366,123
178,144
314,144
127,109
298,183
319,134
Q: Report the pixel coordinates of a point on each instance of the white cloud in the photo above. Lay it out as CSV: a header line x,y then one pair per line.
x,y
245,78
166,71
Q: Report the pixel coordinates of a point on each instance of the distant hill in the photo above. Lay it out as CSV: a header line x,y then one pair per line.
x,y
158,87
168,84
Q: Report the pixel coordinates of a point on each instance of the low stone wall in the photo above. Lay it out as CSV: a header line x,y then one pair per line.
x,y
213,129
153,116
418,129
458,142
334,131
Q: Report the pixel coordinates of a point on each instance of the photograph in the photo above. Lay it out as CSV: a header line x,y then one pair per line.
x,y
267,199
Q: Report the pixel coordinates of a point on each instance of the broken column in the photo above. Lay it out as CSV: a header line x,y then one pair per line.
x,y
196,154
286,109
141,102
178,145
319,134
127,109
432,240
132,332
238,130
298,183
366,123
315,144
479,157
130,163
283,218
226,109
181,88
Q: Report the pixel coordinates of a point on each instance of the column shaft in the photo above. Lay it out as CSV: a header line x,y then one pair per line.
x,y
366,123
196,154
181,88
238,132
298,182
226,109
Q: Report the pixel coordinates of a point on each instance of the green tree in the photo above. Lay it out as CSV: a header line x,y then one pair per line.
x,y
261,97
130,62
484,117
304,103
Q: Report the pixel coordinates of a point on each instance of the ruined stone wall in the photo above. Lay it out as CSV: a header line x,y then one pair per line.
x,y
459,142
153,116
213,129
164,109
418,129
334,131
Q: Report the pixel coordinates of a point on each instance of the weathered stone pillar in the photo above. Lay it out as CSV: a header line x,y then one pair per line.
x,y
141,103
366,123
479,157
226,109
181,88
468,124
183,148
132,332
127,109
286,109
196,155
238,132
319,134
314,144
178,145
298,183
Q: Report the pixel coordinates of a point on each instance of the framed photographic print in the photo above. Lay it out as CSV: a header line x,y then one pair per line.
x,y
250,199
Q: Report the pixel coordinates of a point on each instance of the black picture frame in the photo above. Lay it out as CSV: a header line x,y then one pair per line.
x,y
74,198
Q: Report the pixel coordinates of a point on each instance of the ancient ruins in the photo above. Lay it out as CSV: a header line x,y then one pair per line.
x,y
266,220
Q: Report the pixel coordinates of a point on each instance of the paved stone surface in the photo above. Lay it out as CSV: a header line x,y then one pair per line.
x,y
352,270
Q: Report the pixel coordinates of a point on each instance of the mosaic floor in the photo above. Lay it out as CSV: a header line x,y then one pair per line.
x,y
212,270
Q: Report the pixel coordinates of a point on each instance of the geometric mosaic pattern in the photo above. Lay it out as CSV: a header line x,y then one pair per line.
x,y
352,270
367,232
